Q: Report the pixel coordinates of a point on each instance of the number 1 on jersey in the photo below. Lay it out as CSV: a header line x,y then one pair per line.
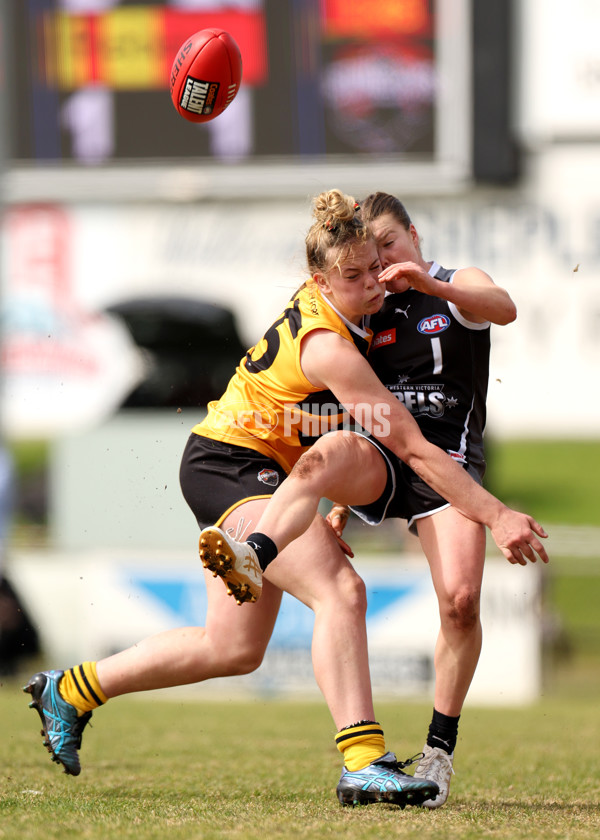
x,y
436,349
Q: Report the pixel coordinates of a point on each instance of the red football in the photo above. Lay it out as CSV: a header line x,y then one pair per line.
x,y
206,75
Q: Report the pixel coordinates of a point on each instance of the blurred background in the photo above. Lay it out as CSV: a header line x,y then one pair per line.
x,y
141,255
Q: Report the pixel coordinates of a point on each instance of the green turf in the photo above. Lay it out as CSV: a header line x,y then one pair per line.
x,y
154,769
555,481
576,600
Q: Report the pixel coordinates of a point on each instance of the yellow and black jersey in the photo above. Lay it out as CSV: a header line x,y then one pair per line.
x,y
269,405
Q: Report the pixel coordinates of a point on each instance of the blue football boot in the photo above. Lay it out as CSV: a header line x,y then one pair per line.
x,y
384,781
61,726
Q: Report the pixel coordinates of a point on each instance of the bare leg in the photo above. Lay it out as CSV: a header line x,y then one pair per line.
x,y
340,466
455,549
232,642
314,570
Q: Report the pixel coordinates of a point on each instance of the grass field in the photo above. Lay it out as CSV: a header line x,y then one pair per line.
x,y
155,768
555,481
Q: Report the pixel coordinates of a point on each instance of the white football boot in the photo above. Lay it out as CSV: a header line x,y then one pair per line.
x,y
234,562
436,765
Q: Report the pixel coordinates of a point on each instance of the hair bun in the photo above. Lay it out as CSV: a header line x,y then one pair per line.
x,y
334,207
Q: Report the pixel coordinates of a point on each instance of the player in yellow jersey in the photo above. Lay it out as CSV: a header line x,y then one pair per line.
x,y
232,464
270,405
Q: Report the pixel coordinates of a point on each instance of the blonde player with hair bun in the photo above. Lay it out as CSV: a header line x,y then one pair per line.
x,y
283,398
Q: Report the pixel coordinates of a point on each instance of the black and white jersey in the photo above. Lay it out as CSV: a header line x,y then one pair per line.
x,y
437,364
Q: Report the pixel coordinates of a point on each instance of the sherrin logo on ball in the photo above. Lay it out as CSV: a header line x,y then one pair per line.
x,y
433,324
206,75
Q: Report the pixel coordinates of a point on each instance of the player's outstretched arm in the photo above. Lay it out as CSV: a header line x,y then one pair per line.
x,y
330,361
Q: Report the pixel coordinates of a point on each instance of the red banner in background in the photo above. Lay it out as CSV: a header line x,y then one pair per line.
x,y
366,19
39,266
247,28
132,48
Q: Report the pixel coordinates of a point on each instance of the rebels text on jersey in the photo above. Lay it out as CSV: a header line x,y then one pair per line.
x,y
437,364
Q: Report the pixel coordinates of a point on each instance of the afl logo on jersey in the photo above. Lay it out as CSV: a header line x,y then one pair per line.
x,y
434,324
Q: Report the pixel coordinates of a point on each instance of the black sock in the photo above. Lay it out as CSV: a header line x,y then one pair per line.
x,y
265,548
443,731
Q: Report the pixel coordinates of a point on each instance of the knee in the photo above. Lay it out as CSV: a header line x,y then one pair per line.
x,y
461,612
310,465
329,454
246,663
351,594
240,660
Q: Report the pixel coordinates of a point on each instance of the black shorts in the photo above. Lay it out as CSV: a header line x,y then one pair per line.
x,y
391,504
216,477
406,495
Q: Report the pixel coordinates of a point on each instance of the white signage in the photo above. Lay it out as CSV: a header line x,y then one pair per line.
x,y
114,600
560,69
540,244
63,367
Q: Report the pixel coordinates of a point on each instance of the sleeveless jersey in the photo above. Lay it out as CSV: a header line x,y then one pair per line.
x,y
437,364
269,404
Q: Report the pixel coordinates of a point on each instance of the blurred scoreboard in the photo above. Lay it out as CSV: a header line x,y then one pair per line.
x,y
323,80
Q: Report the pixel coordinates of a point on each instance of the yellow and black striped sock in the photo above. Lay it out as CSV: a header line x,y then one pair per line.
x,y
361,743
80,687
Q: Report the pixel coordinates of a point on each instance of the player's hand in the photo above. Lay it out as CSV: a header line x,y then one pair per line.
x,y
337,519
401,276
516,535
